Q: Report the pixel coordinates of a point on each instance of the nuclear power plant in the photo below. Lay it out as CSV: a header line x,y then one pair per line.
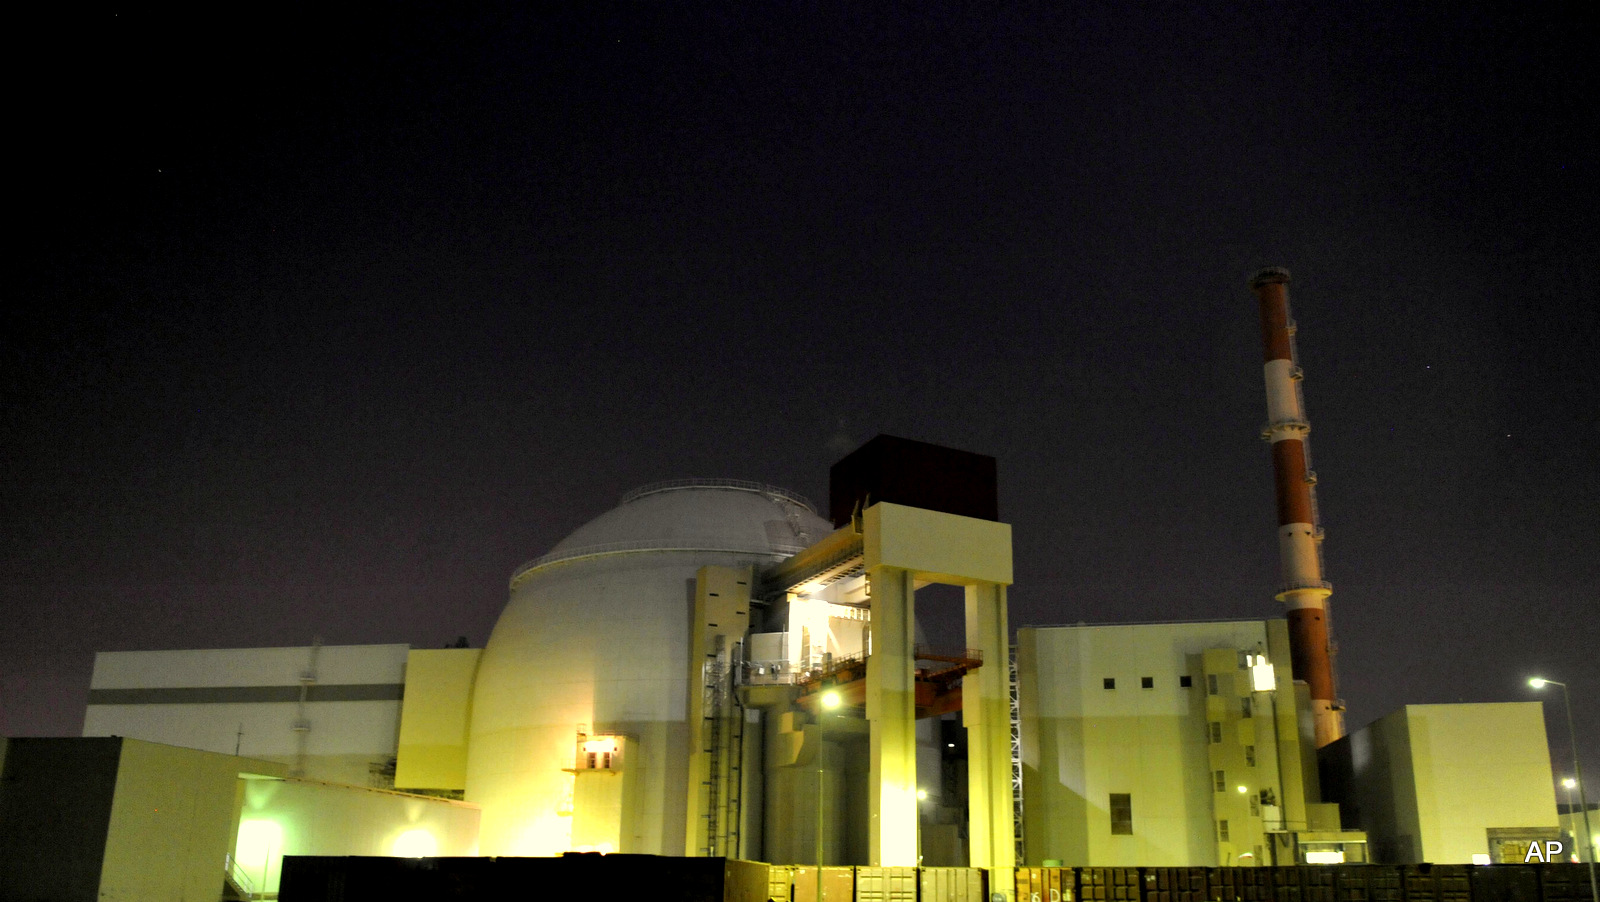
x,y
714,670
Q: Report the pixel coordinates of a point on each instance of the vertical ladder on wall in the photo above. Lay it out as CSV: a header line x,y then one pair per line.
x,y
1016,753
712,713
724,747
731,845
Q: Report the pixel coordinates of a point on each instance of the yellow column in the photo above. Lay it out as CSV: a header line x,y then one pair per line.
x,y
892,713
986,711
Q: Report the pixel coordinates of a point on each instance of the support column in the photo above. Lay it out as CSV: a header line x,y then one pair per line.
x,y
986,711
892,715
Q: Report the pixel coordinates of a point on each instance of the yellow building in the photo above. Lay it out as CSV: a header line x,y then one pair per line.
x,y
125,819
1169,744
1447,784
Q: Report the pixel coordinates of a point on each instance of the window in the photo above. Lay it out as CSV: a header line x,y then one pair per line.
x,y
1245,708
1214,730
1121,814
1211,684
1185,681
1222,780
1255,806
1222,831
1250,755
1147,682
1109,682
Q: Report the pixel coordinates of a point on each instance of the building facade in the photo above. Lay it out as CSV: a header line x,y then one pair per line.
x,y
1169,744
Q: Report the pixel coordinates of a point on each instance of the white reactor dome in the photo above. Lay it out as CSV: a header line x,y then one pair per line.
x,y
596,635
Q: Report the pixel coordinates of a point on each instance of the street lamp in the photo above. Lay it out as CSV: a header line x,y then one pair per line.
x,y
1577,773
1568,783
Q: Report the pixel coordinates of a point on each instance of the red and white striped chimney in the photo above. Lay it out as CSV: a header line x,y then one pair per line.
x,y
1304,592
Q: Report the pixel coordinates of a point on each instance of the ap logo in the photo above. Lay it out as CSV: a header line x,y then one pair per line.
x,y
1548,853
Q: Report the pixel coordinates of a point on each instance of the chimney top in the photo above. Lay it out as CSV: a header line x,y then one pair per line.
x,y
1270,276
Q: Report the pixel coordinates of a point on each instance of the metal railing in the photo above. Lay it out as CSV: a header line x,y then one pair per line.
x,y
759,488
239,877
711,544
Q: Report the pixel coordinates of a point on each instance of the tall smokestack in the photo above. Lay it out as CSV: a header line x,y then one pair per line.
x,y
1304,592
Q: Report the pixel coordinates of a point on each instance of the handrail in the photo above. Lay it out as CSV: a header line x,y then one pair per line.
x,y
688,543
759,488
239,876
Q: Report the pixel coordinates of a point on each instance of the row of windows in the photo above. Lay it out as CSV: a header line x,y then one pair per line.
x,y
1184,681
1121,808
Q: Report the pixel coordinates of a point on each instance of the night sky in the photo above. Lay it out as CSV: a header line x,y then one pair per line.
x,y
321,326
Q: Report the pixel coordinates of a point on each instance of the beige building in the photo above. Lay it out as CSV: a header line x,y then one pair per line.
x,y
1169,744
114,818
326,712
1447,784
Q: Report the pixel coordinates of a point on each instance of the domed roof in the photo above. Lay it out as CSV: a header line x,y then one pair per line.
x,y
694,515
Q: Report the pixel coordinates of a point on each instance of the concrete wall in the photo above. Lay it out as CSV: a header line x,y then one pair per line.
x,y
1083,742
301,817
55,811
435,718
171,820
1428,781
116,819
223,700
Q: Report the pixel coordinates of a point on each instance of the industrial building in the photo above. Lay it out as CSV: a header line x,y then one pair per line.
x,y
1462,782
1170,745
713,668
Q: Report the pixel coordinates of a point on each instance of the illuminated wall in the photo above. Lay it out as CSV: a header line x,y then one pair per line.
x,y
435,719
1120,773
294,817
115,819
246,700
1427,782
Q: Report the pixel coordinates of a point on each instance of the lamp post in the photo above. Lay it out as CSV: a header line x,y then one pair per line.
x,y
1568,783
1577,773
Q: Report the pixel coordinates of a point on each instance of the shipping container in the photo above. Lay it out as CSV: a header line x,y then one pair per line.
x,y
1046,884
746,881
1563,882
827,884
1506,883
952,885
880,884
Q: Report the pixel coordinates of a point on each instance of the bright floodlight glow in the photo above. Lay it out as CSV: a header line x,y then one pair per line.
x,y
1262,677
1242,789
922,795
417,843
1538,682
830,700
1568,782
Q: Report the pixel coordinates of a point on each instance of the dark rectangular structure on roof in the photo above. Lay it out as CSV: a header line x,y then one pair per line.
x,y
915,474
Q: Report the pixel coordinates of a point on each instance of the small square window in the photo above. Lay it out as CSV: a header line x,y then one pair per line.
x,y
1221,780
1222,831
1147,682
1211,684
1186,681
1214,730
1109,682
1250,755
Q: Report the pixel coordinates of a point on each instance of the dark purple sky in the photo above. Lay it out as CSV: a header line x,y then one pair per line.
x,y
322,326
